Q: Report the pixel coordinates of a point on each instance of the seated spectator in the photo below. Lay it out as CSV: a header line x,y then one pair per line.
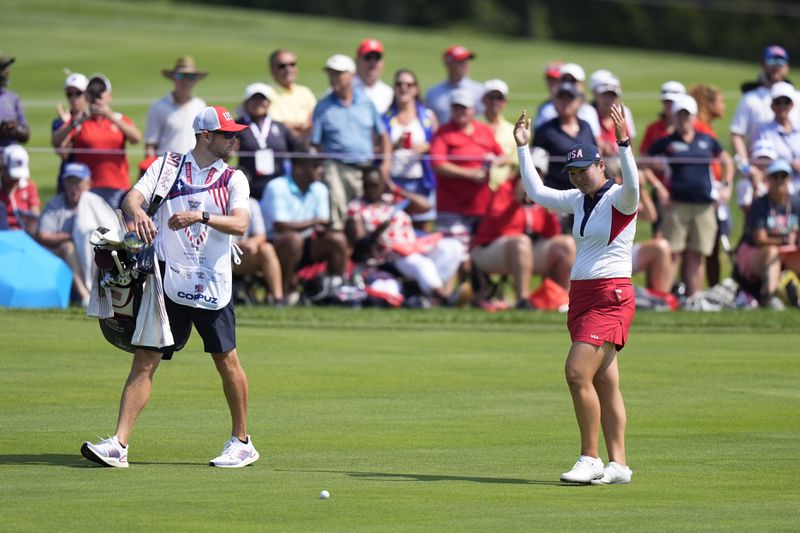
x,y
57,225
782,132
100,140
169,120
753,182
379,229
293,104
297,216
258,255
13,124
518,239
439,98
17,191
463,153
263,138
369,67
560,134
770,240
690,219
75,91
494,103
410,126
571,73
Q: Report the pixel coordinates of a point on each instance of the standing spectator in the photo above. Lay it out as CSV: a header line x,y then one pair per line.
x,y
439,97
607,91
13,125
297,216
463,153
258,255
57,224
262,140
755,107
410,126
770,240
293,104
17,191
169,120
494,100
100,142
572,73
346,123
690,223
369,67
782,132
560,134
75,91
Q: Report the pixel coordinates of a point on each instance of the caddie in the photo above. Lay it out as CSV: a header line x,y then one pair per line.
x,y
206,203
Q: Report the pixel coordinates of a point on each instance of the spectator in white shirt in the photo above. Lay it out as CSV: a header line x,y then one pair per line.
x,y
369,67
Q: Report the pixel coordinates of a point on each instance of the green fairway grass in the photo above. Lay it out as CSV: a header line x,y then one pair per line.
x,y
414,421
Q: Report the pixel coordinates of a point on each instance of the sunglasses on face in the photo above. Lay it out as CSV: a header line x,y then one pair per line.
x,y
284,66
372,56
776,61
185,76
74,94
227,134
405,84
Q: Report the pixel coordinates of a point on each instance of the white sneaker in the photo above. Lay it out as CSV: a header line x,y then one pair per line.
x,y
236,454
585,470
614,473
107,452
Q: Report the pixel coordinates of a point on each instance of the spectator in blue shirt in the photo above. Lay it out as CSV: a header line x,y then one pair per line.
x,y
346,123
438,98
690,223
297,213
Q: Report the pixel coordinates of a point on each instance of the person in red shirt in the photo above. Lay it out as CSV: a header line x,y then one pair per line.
x,y
17,192
99,137
463,151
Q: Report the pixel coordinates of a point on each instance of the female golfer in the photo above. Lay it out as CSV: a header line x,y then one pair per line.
x,y
601,301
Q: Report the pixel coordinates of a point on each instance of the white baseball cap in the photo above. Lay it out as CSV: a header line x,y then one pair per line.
x,y
540,158
462,97
783,89
103,79
684,102
574,70
77,81
16,162
495,85
340,63
600,77
763,148
671,89
259,88
215,118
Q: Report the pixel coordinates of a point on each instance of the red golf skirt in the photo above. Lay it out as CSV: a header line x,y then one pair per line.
x,y
601,310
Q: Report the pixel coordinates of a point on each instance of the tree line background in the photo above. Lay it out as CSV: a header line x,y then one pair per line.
x,y
725,28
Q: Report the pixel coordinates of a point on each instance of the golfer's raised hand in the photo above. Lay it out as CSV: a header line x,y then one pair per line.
x,y
144,226
618,116
522,129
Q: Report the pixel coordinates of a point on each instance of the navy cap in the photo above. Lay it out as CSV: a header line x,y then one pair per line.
x,y
570,88
76,170
776,54
582,155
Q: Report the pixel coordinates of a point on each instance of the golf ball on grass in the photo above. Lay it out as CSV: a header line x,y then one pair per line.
x,y
324,495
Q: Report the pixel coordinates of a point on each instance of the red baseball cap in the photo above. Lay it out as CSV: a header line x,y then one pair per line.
x,y
369,45
457,53
215,118
553,70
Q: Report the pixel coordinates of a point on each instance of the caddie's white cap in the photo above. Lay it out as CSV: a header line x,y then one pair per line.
x,y
495,85
76,80
574,70
684,102
462,97
215,118
16,162
340,63
671,89
259,88
783,89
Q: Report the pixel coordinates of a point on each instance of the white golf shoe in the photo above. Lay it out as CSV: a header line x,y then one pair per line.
x,y
585,470
236,454
107,452
614,473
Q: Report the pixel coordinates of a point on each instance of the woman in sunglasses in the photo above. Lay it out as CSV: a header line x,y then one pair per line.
x,y
78,109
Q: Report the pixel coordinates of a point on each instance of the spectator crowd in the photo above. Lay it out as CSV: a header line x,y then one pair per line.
x,y
389,195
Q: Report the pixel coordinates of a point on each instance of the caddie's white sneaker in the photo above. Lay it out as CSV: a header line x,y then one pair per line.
x,y
585,470
107,452
236,454
614,473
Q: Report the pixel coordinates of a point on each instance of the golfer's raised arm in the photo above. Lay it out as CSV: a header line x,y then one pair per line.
x,y
628,200
536,189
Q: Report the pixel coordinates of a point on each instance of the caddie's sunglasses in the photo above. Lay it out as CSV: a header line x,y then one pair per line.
x,y
283,66
227,134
